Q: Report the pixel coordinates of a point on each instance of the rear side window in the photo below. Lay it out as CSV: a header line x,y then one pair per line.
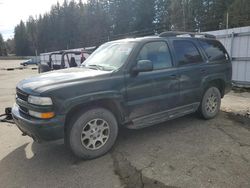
x,y
186,52
214,50
158,53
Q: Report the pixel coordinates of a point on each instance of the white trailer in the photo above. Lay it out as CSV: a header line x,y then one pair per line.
x,y
237,43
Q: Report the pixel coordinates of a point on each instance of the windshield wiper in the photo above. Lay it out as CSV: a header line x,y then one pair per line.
x,y
96,67
99,67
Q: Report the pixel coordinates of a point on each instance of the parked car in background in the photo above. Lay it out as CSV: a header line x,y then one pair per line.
x,y
29,62
131,83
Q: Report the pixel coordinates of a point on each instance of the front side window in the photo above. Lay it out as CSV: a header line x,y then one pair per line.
x,y
214,50
158,53
109,56
186,52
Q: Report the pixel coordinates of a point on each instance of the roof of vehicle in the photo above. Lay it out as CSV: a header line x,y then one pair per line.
x,y
169,34
75,52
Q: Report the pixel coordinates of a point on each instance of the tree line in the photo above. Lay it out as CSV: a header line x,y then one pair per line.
x,y
77,24
6,47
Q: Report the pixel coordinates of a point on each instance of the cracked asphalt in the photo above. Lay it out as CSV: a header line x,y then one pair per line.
x,y
186,152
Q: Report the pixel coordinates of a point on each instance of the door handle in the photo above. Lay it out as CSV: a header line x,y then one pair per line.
x,y
203,71
173,76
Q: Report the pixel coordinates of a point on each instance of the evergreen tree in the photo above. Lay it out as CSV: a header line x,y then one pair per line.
x,y
239,13
162,15
177,15
214,15
22,47
77,24
122,16
3,50
144,15
10,45
32,35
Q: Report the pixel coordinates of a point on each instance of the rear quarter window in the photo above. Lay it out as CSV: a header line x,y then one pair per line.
x,y
214,50
186,52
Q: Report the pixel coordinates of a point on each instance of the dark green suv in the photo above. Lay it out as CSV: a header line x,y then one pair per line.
x,y
132,83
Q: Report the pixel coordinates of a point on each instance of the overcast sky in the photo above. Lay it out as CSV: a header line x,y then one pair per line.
x,y
12,11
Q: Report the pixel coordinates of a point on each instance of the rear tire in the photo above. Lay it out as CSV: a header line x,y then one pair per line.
x,y
210,105
92,133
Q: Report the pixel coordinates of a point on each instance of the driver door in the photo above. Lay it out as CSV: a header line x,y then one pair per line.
x,y
150,92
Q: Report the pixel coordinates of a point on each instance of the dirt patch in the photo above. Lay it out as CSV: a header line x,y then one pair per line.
x,y
240,89
130,176
242,119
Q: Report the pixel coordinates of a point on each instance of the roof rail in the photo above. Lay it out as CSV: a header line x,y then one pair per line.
x,y
192,34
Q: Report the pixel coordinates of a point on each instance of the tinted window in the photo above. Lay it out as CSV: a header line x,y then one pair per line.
x,y
214,50
186,52
158,53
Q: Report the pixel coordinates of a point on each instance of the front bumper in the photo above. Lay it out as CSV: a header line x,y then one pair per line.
x,y
39,129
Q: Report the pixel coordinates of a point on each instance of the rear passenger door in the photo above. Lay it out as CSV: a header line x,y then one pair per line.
x,y
189,61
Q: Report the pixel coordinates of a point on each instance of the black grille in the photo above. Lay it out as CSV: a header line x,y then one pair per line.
x,y
23,110
24,97
21,95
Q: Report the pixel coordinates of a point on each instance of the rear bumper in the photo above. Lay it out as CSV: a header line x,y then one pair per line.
x,y
39,130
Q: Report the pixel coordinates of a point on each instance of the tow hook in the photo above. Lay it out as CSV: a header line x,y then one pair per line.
x,y
7,117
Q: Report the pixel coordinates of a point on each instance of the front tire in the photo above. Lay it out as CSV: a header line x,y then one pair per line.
x,y
92,133
211,101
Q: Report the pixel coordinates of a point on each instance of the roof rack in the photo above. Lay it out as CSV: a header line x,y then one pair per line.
x,y
192,34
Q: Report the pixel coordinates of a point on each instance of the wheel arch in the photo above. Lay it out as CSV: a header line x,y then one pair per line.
x,y
217,82
114,106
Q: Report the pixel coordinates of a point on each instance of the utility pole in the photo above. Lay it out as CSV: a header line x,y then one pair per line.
x,y
227,20
184,19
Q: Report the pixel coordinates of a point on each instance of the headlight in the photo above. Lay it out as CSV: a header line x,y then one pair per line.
x,y
39,100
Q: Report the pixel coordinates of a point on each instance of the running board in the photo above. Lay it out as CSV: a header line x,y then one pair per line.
x,y
160,117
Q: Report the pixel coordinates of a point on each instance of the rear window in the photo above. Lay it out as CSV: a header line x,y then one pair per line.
x,y
214,50
186,52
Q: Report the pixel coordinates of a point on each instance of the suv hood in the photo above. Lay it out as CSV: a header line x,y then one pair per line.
x,y
47,80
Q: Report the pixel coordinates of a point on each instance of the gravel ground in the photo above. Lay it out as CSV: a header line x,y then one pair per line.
x,y
10,63
186,152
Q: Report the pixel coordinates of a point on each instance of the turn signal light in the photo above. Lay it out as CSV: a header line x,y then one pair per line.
x,y
47,115
42,115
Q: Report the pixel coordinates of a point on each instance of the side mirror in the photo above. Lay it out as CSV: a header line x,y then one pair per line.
x,y
143,66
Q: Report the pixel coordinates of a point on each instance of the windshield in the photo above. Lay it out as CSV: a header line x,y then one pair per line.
x,y
110,56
